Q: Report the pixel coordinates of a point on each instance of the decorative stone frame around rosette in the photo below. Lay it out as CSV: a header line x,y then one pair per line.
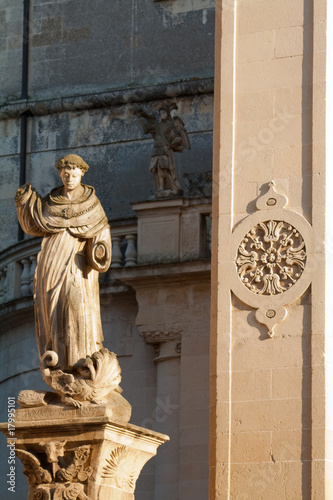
x,y
271,252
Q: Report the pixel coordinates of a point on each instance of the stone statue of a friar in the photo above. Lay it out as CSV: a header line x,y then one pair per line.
x,y
169,136
76,247
89,451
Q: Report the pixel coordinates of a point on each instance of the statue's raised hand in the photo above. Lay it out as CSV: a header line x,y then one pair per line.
x,y
23,193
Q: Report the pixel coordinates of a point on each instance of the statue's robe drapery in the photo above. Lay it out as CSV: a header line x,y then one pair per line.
x,y
66,290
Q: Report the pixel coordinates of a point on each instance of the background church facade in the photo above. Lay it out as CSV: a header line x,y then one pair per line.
x,y
72,76
72,80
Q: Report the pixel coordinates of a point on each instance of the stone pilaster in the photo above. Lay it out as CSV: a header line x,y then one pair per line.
x,y
179,333
271,390
172,276
168,351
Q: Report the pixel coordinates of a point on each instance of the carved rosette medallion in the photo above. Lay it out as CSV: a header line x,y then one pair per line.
x,y
271,257
272,252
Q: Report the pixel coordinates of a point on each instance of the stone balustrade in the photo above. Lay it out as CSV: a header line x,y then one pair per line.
x,y
17,269
18,263
190,236
124,252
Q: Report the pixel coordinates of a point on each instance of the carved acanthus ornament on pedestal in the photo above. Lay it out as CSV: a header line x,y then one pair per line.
x,y
64,478
272,250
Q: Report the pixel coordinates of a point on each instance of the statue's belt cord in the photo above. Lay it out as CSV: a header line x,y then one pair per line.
x,y
68,212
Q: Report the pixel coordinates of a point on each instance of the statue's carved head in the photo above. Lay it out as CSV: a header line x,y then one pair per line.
x,y
166,108
72,162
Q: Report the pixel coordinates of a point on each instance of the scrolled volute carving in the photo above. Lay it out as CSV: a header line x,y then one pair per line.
x,y
92,380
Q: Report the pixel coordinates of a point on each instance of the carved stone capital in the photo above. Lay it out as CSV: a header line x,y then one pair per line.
x,y
80,457
152,336
167,343
56,471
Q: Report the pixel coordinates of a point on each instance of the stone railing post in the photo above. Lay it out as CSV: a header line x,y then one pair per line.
x,y
123,250
33,260
116,252
25,277
3,285
130,253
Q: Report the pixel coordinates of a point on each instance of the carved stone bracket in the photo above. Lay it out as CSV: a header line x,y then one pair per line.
x,y
272,253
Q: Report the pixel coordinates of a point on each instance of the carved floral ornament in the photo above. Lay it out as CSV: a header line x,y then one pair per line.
x,y
59,475
271,257
272,252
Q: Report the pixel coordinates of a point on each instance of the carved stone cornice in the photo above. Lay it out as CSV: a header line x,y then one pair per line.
x,y
174,273
106,99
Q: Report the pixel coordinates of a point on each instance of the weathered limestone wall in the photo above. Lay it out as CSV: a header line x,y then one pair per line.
x,y
81,53
84,46
9,178
267,397
112,143
11,19
107,44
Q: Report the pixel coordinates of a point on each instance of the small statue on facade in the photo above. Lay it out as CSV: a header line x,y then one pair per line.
x,y
76,247
169,136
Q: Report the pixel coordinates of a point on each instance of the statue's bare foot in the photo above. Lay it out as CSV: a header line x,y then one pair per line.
x,y
67,400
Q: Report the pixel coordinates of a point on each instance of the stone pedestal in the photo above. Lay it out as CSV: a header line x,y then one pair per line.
x,y
172,230
80,453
